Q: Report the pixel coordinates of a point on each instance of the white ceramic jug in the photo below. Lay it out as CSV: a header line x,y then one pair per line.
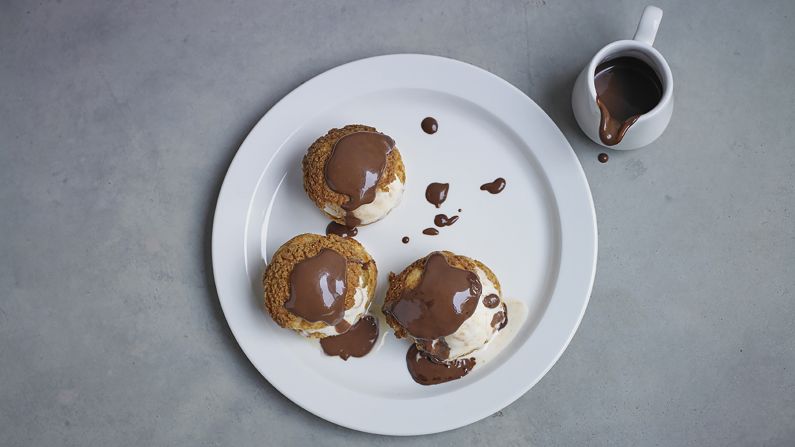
x,y
648,126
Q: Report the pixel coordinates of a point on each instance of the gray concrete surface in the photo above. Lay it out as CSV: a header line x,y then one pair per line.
x,y
118,120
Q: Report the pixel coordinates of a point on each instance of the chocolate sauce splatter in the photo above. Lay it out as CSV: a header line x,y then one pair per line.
x,y
603,158
405,239
341,230
491,301
355,342
494,187
441,220
429,125
426,370
500,319
436,193
430,231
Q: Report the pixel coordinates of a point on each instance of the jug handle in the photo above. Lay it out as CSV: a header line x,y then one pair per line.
x,y
649,22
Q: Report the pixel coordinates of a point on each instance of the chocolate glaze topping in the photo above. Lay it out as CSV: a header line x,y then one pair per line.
x,y
355,166
439,304
430,231
441,220
626,88
317,288
429,125
341,230
426,370
491,301
436,193
494,187
356,342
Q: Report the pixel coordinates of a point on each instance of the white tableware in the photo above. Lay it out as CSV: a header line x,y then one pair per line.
x,y
538,235
650,125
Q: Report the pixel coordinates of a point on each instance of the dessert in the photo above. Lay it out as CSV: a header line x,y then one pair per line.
x,y
355,174
450,306
319,286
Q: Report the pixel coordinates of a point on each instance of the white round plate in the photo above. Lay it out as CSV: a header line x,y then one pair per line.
x,y
538,235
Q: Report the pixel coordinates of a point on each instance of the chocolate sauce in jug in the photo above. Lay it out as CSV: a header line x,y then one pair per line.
x,y
626,88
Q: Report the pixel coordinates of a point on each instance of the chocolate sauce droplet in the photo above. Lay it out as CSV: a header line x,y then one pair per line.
x,y
603,158
430,231
356,342
441,220
626,88
444,298
500,319
459,210
426,370
317,288
341,230
355,166
429,125
405,239
491,301
494,187
436,193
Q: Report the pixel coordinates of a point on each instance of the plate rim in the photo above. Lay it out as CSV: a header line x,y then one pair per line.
x,y
224,198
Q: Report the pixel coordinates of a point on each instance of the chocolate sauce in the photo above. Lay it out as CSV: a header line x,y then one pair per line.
x,y
500,319
626,88
439,304
438,349
441,220
352,221
426,370
429,125
342,327
405,239
603,158
341,230
356,342
494,187
317,288
430,231
436,193
491,301
355,165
